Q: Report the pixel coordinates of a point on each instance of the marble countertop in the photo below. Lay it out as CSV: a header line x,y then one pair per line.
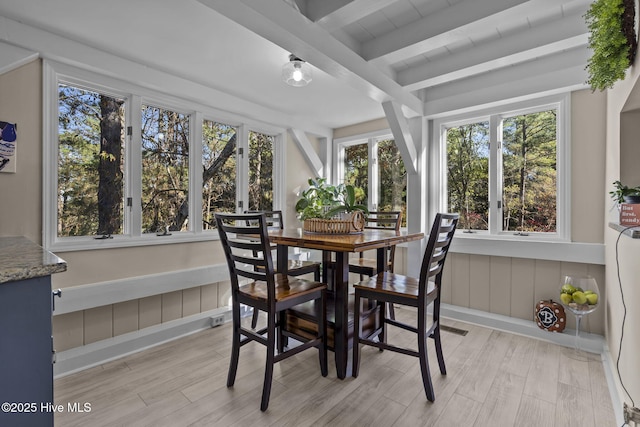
x,y
22,259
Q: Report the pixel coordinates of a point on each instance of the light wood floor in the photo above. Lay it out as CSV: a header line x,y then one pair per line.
x,y
493,379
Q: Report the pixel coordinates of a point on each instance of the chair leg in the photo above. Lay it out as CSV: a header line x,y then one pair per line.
x,y
357,332
254,319
382,336
235,346
392,312
321,315
438,344
268,369
316,274
424,361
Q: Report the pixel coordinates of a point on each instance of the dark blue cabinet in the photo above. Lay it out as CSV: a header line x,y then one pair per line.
x,y
26,369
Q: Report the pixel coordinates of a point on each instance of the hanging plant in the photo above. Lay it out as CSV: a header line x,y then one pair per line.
x,y
612,39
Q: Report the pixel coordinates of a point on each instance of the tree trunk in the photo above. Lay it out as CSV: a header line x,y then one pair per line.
x,y
207,175
109,167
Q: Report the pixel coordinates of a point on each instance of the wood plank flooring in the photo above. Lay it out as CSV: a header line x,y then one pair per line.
x,y
493,379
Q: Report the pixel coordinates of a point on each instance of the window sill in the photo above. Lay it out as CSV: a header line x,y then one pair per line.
x,y
627,230
526,247
71,244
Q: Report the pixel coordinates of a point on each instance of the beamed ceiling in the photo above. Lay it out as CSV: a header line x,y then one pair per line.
x,y
417,57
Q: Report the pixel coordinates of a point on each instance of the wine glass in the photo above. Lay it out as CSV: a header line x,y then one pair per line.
x,y
580,295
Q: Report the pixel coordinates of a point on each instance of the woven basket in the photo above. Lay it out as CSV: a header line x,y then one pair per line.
x,y
354,223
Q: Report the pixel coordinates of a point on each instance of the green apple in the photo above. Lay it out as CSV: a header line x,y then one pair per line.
x,y
567,288
579,297
565,298
592,298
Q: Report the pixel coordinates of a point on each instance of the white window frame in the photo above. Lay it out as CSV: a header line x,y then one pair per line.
x,y
438,189
135,96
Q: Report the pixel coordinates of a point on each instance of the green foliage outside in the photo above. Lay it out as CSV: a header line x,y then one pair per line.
x,y
392,176
260,171
528,158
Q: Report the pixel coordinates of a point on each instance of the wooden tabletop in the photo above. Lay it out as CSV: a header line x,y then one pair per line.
x,y
368,239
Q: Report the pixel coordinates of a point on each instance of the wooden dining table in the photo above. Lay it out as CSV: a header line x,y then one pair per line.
x,y
341,245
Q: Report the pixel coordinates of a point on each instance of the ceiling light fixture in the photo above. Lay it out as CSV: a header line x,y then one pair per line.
x,y
296,72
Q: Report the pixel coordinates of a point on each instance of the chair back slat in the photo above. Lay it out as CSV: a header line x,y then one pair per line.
x,y
383,220
245,241
379,220
274,218
440,237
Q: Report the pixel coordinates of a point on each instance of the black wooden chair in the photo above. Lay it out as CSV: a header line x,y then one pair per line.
x,y
295,267
419,292
369,266
246,247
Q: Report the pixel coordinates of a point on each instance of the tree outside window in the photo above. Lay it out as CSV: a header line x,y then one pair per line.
x,y
468,174
219,170
165,170
260,171
526,173
529,167
90,162
386,188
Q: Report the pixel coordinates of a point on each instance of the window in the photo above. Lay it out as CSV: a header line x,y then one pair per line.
x,y
260,171
126,166
165,170
90,162
375,168
505,172
468,174
219,170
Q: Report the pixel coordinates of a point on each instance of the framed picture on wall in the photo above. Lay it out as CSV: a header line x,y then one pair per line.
x,y
7,147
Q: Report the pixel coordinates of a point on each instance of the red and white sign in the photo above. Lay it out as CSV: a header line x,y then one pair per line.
x,y
630,214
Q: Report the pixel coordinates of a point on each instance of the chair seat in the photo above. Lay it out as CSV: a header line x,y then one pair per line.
x,y
394,284
286,288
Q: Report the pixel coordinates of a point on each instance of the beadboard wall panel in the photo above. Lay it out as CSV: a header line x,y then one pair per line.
x,y
125,317
479,270
512,286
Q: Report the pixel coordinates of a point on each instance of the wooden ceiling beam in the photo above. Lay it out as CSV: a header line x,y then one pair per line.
x,y
281,24
547,39
453,24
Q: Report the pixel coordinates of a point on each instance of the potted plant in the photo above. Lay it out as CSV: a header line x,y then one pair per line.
x,y
612,40
316,200
625,194
330,208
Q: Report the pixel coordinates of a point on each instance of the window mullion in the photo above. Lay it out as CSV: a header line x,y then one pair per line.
x,y
373,174
195,172
133,181
279,168
242,171
495,174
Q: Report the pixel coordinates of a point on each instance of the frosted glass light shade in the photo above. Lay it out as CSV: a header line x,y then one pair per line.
x,y
296,72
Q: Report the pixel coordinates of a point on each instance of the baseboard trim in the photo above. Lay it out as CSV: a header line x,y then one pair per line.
x,y
94,354
610,372
590,342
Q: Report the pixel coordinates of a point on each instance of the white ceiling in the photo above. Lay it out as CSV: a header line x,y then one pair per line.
x,y
429,56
